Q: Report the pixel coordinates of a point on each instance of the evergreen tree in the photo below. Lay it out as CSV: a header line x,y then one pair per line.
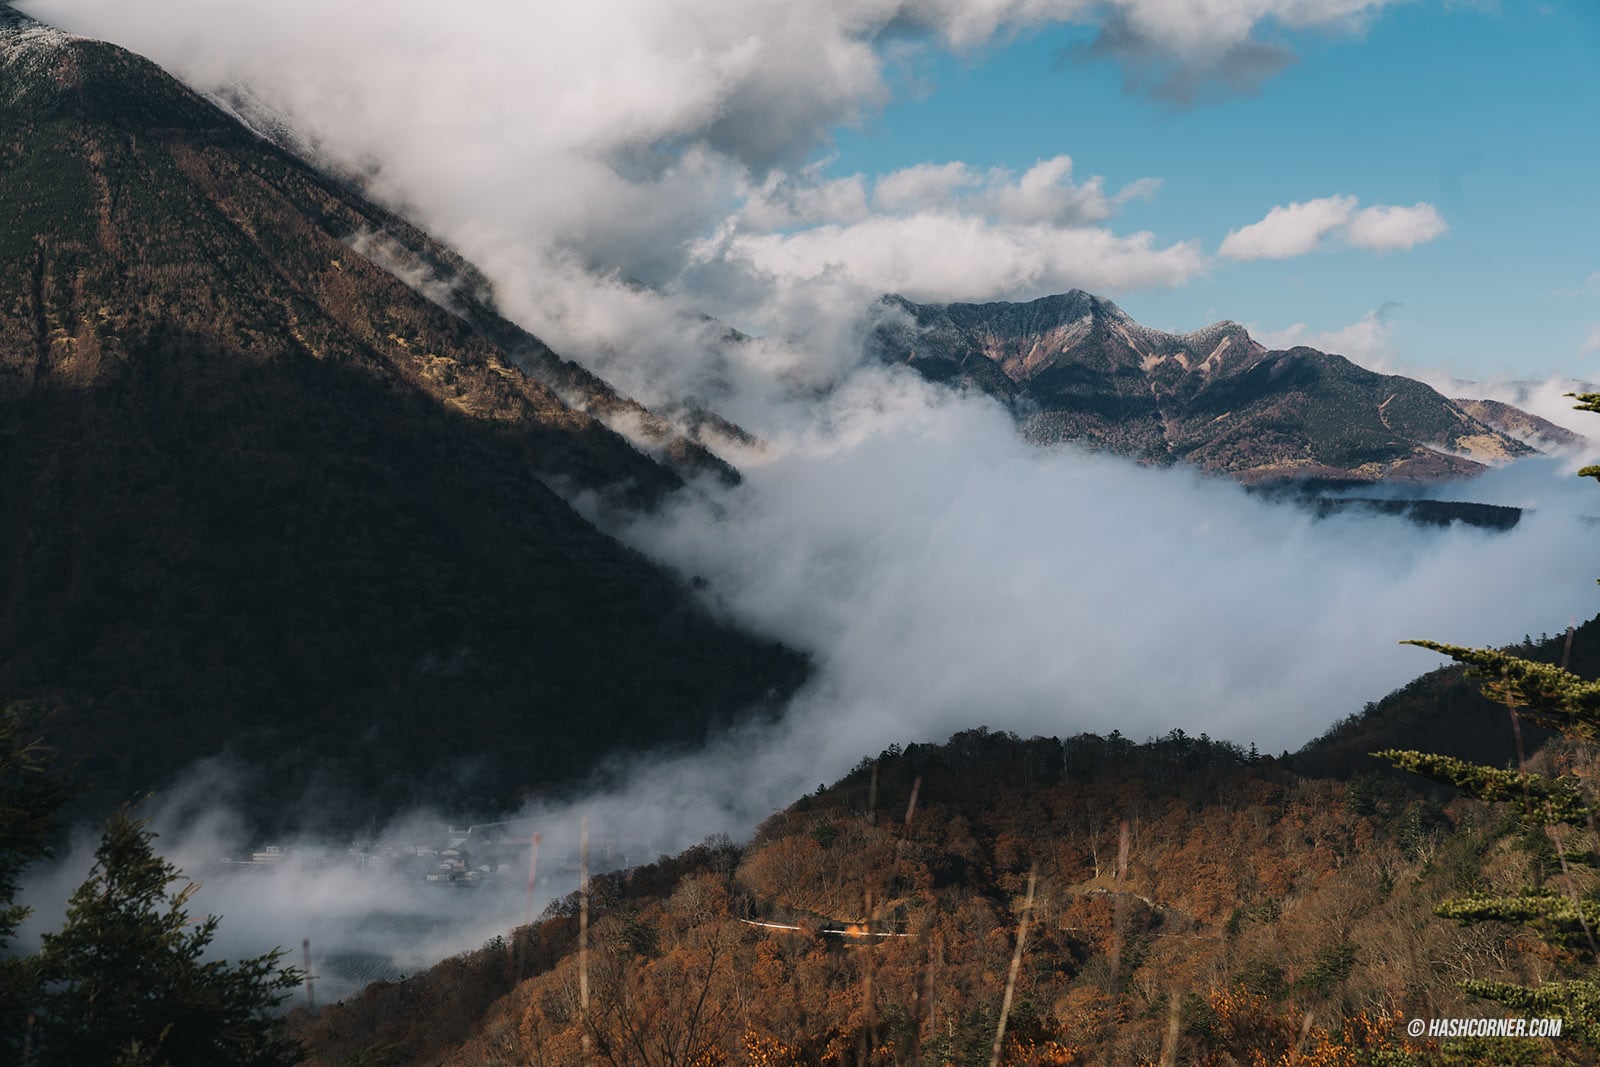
x,y
29,797
1556,699
124,982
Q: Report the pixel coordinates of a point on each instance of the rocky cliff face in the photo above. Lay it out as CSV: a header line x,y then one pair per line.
x,y
1077,368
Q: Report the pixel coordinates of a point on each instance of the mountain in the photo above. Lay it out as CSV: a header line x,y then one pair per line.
x,y
261,498
1075,367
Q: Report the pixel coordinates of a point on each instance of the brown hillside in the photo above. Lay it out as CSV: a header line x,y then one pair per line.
x,y
1243,911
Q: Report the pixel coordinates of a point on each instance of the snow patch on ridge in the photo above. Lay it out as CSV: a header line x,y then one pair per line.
x,y
30,51
20,34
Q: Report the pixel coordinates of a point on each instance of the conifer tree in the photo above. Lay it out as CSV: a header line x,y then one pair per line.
x,y
29,797
1554,698
125,982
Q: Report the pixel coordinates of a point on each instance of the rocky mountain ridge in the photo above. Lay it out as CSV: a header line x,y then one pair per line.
x,y
1075,367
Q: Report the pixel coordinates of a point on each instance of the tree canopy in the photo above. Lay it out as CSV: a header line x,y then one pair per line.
x,y
125,982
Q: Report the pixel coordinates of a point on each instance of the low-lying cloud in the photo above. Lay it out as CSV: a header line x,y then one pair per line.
x,y
946,574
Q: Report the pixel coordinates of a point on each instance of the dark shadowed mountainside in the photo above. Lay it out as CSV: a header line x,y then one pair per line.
x,y
259,497
1075,367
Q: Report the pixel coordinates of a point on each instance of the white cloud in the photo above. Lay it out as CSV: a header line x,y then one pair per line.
x,y
1211,27
1299,228
1044,193
1592,342
924,187
1138,189
953,257
1366,341
1385,228
1589,287
1288,231
937,231
783,201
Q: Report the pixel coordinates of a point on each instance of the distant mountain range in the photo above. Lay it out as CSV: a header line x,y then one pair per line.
x,y
1076,367
260,497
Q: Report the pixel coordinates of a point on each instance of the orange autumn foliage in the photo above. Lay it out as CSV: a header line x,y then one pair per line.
x,y
1288,928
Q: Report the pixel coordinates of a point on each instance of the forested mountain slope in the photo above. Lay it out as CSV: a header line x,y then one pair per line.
x,y
261,498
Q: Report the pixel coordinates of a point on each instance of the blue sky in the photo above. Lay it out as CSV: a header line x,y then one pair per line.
x,y
1490,114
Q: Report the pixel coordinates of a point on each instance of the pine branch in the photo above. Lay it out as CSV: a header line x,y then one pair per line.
x,y
1587,402
1537,799
1577,1003
1557,918
1542,693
